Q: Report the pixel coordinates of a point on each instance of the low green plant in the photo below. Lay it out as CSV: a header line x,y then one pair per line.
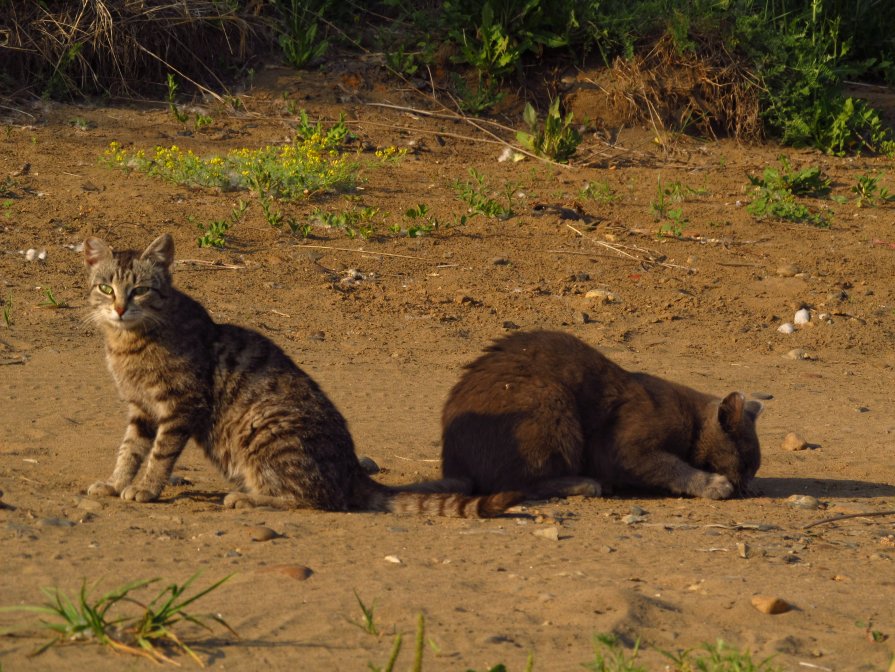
x,y
182,117
90,619
475,194
214,234
330,138
868,193
368,620
355,222
557,138
610,656
201,121
52,301
718,657
7,208
672,220
600,192
7,312
776,192
299,39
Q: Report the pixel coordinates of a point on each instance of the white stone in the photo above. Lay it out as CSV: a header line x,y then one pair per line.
x,y
786,328
802,316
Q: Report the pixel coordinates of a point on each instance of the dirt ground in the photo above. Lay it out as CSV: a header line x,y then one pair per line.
x,y
385,325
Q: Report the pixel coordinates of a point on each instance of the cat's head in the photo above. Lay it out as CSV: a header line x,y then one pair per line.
x,y
728,443
128,289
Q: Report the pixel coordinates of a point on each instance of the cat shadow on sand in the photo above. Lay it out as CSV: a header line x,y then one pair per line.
x,y
821,488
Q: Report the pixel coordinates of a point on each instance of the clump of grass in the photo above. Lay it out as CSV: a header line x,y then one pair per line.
x,y
868,193
557,138
355,222
718,657
776,192
214,234
51,300
477,195
148,633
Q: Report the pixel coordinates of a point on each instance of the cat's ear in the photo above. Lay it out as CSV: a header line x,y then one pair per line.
x,y
95,251
730,411
160,250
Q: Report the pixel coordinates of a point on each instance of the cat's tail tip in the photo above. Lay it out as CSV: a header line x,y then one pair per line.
x,y
452,505
490,506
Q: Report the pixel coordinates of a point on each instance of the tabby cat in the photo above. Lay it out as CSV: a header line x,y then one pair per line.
x,y
261,420
546,414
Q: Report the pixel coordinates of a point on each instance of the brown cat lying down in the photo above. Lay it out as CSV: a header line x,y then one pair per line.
x,y
544,413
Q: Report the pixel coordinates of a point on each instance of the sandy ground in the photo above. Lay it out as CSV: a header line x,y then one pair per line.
x,y
385,326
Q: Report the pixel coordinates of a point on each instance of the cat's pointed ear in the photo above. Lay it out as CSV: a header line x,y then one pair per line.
x,y
730,411
160,250
95,251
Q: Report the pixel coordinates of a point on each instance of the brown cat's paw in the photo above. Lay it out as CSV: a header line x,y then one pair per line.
x,y
102,489
133,493
718,487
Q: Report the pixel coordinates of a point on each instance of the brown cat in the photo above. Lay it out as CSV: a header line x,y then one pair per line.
x,y
544,413
260,419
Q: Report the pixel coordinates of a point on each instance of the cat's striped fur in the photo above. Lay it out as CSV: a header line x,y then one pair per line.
x,y
259,418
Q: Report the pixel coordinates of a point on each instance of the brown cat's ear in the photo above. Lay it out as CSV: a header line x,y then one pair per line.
x,y
161,250
95,250
730,411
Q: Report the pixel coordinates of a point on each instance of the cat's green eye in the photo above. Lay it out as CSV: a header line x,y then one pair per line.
x,y
106,289
139,291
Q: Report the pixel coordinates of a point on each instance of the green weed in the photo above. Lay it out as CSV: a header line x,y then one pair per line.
x,y
171,96
672,220
368,621
868,193
86,619
299,38
7,313
600,192
718,657
476,195
52,301
610,656
776,192
328,138
557,139
213,235
356,222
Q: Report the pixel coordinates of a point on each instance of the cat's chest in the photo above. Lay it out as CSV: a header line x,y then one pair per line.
x,y
144,371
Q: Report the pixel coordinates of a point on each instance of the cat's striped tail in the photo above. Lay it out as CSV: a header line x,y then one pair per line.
x,y
374,496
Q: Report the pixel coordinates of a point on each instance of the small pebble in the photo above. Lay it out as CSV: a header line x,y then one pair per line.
x,y
317,336
510,326
368,465
261,533
767,604
91,505
786,328
798,353
551,533
633,518
764,396
581,317
803,502
500,261
602,295
394,559
787,270
802,316
793,442
743,550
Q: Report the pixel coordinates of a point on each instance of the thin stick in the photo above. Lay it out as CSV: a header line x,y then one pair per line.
x,y
211,264
414,459
588,254
844,516
380,254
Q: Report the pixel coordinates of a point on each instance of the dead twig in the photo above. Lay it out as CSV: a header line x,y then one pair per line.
x,y
845,516
640,254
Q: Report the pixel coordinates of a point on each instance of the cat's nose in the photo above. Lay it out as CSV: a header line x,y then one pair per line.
x,y
120,310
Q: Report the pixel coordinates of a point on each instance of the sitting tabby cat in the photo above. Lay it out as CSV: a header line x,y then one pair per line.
x,y
260,419
546,414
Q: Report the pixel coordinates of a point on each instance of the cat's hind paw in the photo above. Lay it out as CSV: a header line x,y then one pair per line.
x,y
102,489
133,493
718,487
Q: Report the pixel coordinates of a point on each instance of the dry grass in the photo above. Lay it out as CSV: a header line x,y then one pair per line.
x,y
123,47
706,90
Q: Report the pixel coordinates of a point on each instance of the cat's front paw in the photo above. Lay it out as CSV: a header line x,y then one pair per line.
x,y
102,489
718,487
238,500
133,493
